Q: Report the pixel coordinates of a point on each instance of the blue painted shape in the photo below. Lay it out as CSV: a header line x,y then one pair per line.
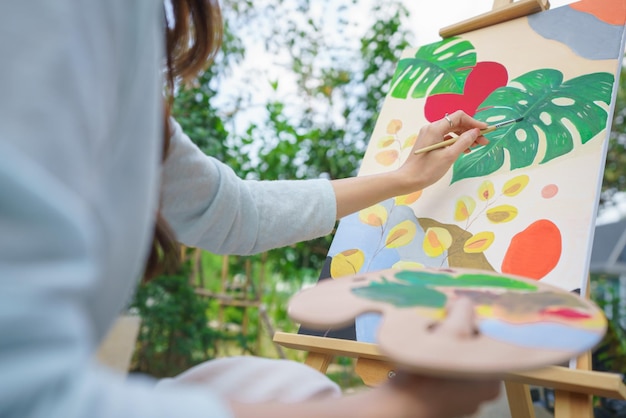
x,y
544,335
366,327
584,33
352,233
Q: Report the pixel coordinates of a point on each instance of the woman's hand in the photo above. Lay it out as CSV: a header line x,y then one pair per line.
x,y
420,396
422,170
404,396
418,171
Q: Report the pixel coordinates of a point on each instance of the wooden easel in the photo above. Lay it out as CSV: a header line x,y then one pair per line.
x,y
240,292
502,11
573,387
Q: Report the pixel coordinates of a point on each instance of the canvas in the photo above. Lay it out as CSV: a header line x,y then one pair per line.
x,y
526,203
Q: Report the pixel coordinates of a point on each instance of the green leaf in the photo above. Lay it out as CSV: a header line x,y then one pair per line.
x,y
426,278
440,67
486,280
401,296
416,288
552,109
423,278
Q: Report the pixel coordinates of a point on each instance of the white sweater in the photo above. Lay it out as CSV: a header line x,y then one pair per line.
x,y
80,136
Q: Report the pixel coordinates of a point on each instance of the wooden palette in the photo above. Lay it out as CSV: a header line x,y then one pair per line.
x,y
458,322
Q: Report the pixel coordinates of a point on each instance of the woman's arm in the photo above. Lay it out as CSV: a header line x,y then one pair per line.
x,y
418,171
405,396
210,207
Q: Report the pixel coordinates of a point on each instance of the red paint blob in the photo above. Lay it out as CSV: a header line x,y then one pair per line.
x,y
535,251
549,191
612,12
484,78
566,313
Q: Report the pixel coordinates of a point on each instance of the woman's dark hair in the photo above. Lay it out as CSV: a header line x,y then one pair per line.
x,y
193,36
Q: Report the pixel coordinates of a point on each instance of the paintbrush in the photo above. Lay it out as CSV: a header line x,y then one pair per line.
x,y
452,140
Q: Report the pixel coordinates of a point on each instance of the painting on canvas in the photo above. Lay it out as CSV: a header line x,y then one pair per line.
x,y
525,204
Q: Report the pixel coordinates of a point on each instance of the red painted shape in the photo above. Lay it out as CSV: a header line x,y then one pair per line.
x,y
484,78
612,12
566,313
535,251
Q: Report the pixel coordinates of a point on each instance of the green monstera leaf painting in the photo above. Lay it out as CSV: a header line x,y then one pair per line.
x,y
555,112
441,67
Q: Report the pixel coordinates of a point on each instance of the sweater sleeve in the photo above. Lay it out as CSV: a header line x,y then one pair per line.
x,y
209,207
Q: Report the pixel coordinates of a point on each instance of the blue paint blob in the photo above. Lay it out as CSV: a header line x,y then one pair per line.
x,y
550,336
584,33
366,327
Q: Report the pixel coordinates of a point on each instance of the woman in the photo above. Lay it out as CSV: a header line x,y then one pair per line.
x,y
80,175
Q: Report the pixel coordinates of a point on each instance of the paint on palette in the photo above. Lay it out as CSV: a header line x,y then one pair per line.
x,y
509,310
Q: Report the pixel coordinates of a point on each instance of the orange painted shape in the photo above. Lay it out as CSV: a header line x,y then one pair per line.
x,y
433,240
612,12
394,126
374,220
463,212
535,251
388,157
549,191
407,199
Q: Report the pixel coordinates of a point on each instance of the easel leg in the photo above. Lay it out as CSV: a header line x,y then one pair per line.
x,y
572,405
373,372
520,402
575,405
318,361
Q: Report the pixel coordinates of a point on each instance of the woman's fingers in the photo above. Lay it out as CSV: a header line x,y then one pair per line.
x,y
446,124
426,167
465,141
463,121
468,394
458,123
